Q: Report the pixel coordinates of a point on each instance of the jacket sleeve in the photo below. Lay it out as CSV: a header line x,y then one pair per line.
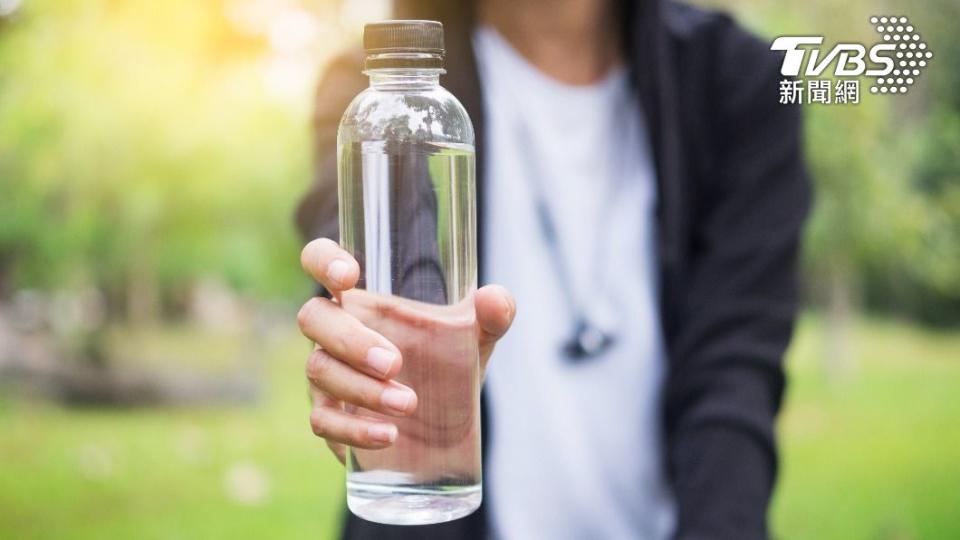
x,y
316,215
736,314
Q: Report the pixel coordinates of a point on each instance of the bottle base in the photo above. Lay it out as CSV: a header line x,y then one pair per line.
x,y
403,505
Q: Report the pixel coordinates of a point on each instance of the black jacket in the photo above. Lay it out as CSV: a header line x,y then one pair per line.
x,y
733,195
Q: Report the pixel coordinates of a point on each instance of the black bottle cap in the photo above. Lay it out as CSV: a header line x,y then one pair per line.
x,y
403,36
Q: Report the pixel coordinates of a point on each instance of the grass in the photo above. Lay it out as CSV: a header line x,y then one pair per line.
x,y
234,472
872,456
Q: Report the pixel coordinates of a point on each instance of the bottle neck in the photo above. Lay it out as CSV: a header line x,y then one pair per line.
x,y
404,70
403,79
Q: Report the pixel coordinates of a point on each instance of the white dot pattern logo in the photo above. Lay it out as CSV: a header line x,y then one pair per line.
x,y
911,56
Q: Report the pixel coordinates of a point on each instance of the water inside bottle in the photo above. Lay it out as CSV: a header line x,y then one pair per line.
x,y
411,225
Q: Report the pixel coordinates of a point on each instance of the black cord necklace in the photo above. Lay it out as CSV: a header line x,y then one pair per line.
x,y
587,339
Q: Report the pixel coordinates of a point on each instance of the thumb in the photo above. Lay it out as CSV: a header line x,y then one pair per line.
x,y
495,311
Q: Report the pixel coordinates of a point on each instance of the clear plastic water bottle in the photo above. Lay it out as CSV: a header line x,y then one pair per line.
x,y
408,215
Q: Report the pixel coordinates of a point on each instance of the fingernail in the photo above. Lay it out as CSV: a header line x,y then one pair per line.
x,y
383,432
380,359
397,399
337,270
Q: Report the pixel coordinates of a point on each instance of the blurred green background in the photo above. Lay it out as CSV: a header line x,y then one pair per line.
x,y
151,381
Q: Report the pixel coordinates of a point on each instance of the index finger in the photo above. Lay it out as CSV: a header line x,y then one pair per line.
x,y
330,265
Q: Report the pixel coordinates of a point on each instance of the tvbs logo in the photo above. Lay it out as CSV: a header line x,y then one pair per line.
x,y
893,63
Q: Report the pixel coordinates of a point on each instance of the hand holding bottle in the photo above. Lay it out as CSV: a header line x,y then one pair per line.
x,y
357,397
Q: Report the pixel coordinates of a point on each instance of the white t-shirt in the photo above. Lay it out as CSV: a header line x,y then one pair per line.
x,y
575,447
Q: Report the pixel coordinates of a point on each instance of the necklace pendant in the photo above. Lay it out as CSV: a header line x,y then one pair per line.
x,y
587,341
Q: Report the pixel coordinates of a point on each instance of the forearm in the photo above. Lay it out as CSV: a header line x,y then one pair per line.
x,y
722,457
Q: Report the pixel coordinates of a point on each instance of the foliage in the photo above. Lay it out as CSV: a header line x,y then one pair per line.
x,y
886,224
139,152
136,144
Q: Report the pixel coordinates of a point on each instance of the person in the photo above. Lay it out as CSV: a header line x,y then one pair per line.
x,y
636,393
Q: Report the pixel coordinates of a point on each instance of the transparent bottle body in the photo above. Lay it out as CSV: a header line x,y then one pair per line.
x,y
407,214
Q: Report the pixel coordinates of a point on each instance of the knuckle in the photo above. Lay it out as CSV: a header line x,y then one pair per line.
x,y
311,311
358,433
340,344
370,395
318,425
318,365
306,313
